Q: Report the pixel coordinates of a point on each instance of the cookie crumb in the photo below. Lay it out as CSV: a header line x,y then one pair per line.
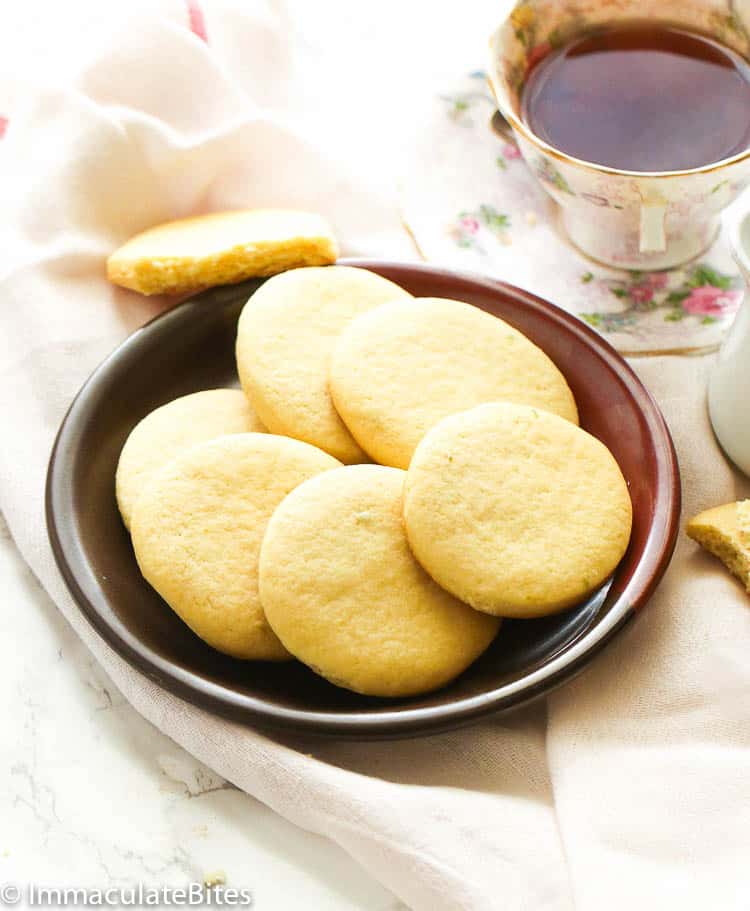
x,y
216,878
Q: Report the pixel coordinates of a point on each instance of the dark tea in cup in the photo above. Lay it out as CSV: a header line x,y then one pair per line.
x,y
641,97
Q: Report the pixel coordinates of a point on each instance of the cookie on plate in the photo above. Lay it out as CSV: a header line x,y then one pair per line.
x,y
221,249
197,530
515,510
344,594
173,428
284,340
399,369
724,531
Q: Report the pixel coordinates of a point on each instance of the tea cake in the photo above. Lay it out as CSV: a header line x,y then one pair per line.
x,y
515,510
220,249
399,369
173,428
197,530
285,336
344,594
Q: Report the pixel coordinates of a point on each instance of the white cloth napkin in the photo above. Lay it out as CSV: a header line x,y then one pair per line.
x,y
629,788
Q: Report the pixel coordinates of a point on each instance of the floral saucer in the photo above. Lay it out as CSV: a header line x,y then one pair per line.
x,y
471,203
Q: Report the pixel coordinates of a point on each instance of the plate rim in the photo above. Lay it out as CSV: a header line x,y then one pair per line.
x,y
401,722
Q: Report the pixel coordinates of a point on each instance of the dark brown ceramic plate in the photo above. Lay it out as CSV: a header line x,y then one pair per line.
x,y
191,347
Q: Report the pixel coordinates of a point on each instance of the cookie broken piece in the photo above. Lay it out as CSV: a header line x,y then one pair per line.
x,y
725,532
221,249
743,522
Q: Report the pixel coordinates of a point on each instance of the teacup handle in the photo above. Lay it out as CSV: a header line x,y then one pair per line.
x,y
502,128
653,238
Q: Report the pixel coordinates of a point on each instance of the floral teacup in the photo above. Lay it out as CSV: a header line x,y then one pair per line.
x,y
630,219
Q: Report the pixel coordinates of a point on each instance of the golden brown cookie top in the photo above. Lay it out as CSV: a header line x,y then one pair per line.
x,y
198,526
516,510
171,429
343,592
285,336
221,248
399,369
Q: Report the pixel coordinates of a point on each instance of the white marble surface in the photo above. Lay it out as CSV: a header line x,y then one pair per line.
x,y
91,795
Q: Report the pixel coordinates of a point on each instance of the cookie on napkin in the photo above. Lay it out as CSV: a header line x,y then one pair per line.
x,y
221,249
344,594
197,530
724,531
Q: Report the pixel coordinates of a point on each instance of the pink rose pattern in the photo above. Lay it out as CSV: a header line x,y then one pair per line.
x,y
643,291
709,301
510,152
641,294
468,224
470,228
703,293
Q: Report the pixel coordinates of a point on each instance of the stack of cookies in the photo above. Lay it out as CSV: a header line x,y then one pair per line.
x,y
395,476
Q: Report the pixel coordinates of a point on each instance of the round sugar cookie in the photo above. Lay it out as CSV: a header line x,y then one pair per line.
x,y
344,594
515,510
398,370
197,530
173,428
284,340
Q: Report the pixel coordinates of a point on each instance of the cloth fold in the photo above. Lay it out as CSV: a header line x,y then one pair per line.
x,y
629,787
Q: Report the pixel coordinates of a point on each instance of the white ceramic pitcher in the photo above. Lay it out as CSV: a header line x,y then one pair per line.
x,y
729,386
